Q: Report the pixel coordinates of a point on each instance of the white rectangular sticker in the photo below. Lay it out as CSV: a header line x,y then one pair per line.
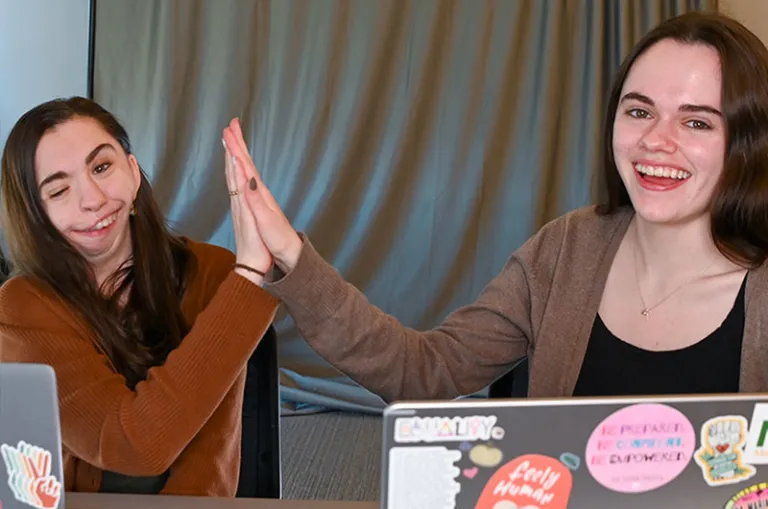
x,y
756,448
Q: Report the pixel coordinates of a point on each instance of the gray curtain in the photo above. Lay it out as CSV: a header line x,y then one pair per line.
x,y
417,142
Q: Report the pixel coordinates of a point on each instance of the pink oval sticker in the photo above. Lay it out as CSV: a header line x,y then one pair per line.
x,y
640,448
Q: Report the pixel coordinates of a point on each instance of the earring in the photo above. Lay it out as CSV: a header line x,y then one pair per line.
x,y
133,210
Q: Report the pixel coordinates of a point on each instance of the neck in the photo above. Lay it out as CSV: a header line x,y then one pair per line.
x,y
104,270
666,254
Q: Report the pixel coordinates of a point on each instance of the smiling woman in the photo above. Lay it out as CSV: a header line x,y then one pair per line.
x,y
662,289
148,333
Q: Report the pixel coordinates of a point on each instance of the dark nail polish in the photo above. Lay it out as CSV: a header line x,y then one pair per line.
x,y
252,184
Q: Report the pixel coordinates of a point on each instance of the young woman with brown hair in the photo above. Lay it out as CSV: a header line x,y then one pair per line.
x,y
662,289
148,333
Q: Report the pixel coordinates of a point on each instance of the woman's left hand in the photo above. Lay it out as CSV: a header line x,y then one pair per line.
x,y
276,231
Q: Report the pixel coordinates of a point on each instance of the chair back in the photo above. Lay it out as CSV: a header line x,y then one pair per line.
x,y
260,465
513,384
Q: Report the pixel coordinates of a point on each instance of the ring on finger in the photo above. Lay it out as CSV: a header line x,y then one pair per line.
x,y
234,193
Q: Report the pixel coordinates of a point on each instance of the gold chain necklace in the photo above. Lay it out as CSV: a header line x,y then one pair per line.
x,y
646,311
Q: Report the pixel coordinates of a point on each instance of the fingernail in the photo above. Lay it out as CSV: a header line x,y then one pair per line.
x,y
234,161
224,143
252,184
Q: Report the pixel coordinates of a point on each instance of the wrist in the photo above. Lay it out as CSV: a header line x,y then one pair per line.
x,y
286,261
250,276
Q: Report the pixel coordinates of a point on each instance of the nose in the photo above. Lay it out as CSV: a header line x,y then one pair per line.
x,y
92,197
660,136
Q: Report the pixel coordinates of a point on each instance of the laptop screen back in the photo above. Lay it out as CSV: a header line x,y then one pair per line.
x,y
30,438
577,453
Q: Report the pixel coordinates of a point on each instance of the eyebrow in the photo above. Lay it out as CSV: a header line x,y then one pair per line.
x,y
693,108
59,175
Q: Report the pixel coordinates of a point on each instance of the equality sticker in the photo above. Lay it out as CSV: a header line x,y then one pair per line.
x,y
528,482
753,497
640,448
29,475
409,430
720,455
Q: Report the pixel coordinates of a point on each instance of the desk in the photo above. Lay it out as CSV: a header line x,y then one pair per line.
x,y
109,501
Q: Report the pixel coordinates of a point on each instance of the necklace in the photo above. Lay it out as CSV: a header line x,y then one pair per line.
x,y
646,311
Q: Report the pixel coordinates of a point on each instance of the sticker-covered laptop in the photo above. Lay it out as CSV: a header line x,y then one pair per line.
x,y
702,452
30,438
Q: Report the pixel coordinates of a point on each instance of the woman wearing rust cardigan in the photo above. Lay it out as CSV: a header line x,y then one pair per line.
x,y
149,334
663,289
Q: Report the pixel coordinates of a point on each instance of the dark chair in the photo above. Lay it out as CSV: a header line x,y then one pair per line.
x,y
260,472
513,384
5,268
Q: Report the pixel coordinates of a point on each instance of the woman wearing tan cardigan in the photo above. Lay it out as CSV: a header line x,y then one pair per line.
x,y
662,289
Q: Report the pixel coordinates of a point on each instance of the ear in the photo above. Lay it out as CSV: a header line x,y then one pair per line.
x,y
135,173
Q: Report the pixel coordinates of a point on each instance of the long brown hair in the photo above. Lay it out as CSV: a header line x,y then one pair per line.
x,y
138,334
739,206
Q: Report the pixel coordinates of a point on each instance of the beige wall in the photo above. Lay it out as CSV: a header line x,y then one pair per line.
x,y
753,13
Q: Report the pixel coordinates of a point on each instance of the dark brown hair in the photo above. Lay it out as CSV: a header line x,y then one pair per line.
x,y
139,334
739,206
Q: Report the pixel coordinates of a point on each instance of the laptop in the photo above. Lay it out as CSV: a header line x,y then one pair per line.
x,y
702,452
30,438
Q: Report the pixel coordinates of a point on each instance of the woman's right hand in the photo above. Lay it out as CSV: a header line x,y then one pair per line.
x,y
276,232
249,247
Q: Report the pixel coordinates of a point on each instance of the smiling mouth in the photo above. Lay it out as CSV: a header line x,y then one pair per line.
x,y
104,223
661,172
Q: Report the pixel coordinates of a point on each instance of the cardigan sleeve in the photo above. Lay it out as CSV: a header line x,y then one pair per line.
x,y
474,345
141,432
210,464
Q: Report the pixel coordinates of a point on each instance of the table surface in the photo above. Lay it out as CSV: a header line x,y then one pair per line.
x,y
109,501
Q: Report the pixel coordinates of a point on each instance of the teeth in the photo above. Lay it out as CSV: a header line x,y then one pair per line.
x,y
104,223
662,171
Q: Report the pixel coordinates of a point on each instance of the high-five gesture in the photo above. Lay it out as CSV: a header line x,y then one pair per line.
x,y
276,231
253,257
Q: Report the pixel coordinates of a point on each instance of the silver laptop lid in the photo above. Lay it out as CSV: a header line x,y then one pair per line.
x,y
31,472
577,453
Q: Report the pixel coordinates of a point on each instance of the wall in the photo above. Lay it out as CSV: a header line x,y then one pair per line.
x,y
43,54
753,13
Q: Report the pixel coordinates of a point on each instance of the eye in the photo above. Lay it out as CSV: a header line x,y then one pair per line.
x,y
58,193
698,125
638,113
101,168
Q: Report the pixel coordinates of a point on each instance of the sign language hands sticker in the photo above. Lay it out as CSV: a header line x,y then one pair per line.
x,y
720,455
29,475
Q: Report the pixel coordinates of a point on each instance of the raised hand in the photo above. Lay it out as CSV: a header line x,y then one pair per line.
x,y
276,231
249,247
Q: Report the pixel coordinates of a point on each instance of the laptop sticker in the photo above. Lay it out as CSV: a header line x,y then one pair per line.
x,y
29,475
434,465
413,468
532,481
640,448
447,429
721,453
756,448
753,497
570,460
485,456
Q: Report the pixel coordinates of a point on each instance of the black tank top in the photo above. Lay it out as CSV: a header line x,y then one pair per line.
x,y
613,367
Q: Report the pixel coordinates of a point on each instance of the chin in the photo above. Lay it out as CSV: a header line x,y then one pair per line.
x,y
669,216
